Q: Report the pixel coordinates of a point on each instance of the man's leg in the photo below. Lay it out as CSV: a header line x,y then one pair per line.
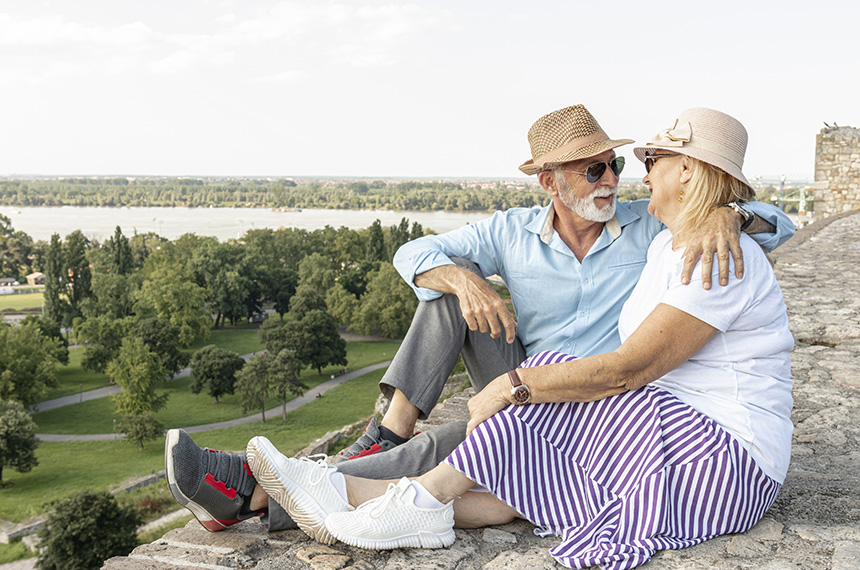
x,y
422,365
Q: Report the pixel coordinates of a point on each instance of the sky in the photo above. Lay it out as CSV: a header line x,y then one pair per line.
x,y
404,89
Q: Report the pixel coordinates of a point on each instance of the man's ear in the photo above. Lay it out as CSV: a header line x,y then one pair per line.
x,y
546,178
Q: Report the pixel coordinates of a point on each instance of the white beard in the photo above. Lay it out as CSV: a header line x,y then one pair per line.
x,y
585,207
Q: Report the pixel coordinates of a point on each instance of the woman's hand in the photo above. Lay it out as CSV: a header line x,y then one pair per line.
x,y
486,403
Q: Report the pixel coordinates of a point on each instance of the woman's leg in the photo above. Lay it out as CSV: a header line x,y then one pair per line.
x,y
446,484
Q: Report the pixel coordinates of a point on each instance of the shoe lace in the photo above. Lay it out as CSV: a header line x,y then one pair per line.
x,y
222,467
381,504
322,466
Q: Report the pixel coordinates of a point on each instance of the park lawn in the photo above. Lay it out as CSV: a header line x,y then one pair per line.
x,y
340,406
70,467
20,302
240,341
186,409
71,376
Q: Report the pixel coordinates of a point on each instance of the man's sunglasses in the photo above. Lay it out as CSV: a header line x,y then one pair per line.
x,y
595,171
652,158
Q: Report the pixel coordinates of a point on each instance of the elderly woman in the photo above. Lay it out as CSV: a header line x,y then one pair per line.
x,y
680,435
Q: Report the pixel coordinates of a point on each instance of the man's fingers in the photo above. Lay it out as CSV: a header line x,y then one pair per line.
x,y
723,261
707,268
738,256
510,326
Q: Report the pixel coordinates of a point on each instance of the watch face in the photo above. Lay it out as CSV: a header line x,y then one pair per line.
x,y
521,395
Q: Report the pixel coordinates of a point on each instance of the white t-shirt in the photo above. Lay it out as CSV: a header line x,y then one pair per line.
x,y
742,377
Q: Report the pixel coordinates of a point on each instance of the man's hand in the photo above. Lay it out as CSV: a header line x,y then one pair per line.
x,y
488,402
720,234
482,308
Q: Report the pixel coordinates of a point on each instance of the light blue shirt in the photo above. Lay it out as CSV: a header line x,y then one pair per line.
x,y
561,303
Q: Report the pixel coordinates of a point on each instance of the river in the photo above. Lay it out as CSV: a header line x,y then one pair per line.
x,y
223,223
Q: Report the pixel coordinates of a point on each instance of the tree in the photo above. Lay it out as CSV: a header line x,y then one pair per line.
x,y
279,285
28,360
113,295
341,304
162,338
85,530
50,329
285,378
375,242
252,383
55,305
102,337
137,371
169,293
323,345
78,274
215,368
387,307
17,438
307,298
122,259
142,428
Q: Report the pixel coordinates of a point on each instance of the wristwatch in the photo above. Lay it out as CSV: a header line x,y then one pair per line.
x,y
744,213
520,393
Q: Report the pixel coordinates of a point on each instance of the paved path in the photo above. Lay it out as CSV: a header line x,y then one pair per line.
x,y
274,412
103,392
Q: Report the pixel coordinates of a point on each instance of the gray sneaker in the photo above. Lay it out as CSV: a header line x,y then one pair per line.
x,y
213,485
370,442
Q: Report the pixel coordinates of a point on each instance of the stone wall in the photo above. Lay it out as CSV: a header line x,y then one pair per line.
x,y
837,171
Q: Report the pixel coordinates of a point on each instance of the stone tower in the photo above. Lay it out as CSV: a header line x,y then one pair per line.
x,y
837,171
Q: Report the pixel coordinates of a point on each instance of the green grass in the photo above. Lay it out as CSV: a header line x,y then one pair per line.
x,y
20,302
70,467
340,406
14,551
187,409
241,341
72,376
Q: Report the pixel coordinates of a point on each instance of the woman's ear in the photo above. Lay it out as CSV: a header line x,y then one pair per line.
x,y
546,178
686,172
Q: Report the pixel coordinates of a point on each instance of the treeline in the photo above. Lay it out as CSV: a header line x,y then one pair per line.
x,y
418,196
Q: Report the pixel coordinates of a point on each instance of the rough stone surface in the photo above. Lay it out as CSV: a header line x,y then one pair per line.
x,y
814,524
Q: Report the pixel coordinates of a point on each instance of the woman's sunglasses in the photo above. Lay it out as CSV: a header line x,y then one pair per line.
x,y
595,171
652,158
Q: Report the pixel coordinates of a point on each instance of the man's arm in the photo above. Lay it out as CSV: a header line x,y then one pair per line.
x,y
481,306
720,235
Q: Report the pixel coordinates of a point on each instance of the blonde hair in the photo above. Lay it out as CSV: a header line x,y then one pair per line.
x,y
708,189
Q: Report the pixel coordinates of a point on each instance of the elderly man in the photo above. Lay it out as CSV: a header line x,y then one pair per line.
x,y
569,267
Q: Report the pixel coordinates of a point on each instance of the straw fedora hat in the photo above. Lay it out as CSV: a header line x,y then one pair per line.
x,y
705,134
564,135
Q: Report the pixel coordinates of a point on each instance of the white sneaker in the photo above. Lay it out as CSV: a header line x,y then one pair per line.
x,y
393,521
303,487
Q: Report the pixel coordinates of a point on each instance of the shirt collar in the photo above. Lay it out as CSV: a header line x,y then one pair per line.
x,y
542,224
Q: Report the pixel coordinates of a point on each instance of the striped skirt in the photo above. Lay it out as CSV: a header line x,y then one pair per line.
x,y
619,478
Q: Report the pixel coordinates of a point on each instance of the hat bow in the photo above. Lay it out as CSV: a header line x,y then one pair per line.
x,y
674,137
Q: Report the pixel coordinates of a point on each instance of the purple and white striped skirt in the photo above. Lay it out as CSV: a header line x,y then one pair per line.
x,y
619,478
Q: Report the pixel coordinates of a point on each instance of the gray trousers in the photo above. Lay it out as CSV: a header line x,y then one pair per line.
x,y
422,365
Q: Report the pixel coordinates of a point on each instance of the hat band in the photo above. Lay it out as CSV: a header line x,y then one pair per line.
x,y
574,145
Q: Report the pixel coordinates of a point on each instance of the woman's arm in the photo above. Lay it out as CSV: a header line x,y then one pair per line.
x,y
665,340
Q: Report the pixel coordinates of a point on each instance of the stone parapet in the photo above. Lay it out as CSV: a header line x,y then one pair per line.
x,y
814,523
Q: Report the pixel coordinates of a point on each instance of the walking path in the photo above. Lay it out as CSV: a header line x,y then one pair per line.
x,y
293,404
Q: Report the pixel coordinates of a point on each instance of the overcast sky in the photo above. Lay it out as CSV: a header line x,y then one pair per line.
x,y
424,88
